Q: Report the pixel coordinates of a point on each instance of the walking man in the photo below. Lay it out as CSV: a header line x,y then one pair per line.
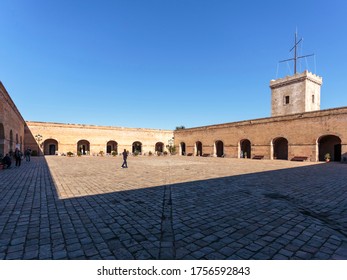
x,y
18,157
28,154
125,156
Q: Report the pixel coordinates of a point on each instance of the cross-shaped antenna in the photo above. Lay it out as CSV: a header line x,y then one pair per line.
x,y
296,57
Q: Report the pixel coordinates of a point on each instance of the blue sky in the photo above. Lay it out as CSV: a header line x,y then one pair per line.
x,y
164,63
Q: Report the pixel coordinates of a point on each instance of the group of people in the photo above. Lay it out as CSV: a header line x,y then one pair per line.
x,y
17,155
7,161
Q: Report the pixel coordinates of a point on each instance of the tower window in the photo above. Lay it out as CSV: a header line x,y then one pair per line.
x,y
312,98
286,99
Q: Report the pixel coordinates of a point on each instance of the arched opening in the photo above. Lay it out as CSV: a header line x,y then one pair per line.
x,y
159,147
329,144
183,148
245,148
50,147
111,146
198,148
219,148
11,142
137,147
280,148
2,140
83,146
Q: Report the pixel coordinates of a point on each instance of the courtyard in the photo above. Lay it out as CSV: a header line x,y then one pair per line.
x,y
172,207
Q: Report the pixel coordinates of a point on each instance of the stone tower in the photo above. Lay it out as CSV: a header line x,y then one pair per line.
x,y
295,94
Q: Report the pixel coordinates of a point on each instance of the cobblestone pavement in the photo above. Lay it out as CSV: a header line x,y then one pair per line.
x,y
173,208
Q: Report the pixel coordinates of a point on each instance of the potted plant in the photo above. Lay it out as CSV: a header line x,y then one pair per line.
x,y
327,157
79,154
69,154
114,153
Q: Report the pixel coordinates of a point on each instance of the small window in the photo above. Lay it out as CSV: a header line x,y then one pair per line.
x,y
286,99
313,98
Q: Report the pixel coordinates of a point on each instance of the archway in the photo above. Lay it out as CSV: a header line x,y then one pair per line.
x,y
83,146
137,147
2,140
329,144
111,146
183,148
159,147
198,148
50,147
219,145
245,148
280,148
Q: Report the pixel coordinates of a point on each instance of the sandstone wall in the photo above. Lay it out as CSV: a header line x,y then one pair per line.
x,y
11,124
68,135
302,132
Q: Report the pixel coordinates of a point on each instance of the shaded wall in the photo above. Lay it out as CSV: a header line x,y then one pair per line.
x,y
11,124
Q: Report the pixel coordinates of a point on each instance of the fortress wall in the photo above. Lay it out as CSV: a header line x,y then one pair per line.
x,y
301,130
10,120
67,136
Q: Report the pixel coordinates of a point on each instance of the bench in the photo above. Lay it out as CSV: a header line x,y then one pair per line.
x,y
189,154
206,155
299,158
258,157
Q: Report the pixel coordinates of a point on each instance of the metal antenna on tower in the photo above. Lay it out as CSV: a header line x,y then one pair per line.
x,y
296,57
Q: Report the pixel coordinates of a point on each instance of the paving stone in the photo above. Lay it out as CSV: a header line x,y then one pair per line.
x,y
235,208
59,255
244,254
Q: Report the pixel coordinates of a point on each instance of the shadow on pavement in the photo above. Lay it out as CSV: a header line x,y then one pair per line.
x,y
294,213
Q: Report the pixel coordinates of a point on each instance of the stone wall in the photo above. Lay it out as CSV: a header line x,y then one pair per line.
x,y
11,124
67,136
302,91
303,133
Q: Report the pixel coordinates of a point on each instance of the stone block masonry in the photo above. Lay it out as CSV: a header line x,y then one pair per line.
x,y
60,138
11,124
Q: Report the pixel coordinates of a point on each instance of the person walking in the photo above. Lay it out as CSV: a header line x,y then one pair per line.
x,y
27,154
18,157
125,156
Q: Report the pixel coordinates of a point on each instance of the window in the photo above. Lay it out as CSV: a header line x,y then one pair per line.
x,y
312,98
286,99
